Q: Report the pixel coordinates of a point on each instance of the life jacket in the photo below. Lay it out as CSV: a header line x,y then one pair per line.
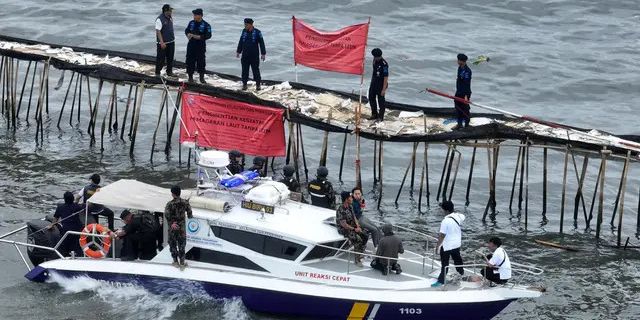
x,y
321,192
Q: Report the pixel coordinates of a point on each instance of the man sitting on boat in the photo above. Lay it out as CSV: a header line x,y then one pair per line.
x,y
390,246
258,165
366,224
348,226
138,235
236,164
498,269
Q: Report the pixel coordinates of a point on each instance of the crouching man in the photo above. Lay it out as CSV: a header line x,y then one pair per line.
x,y
138,236
390,245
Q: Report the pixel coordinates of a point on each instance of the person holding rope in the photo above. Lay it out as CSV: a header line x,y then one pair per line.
x,y
498,269
463,90
67,216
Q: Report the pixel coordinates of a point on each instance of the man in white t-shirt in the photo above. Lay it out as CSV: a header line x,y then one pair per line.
x,y
449,241
498,267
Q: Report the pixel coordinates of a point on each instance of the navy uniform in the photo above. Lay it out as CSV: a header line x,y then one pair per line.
x,y
140,236
292,184
321,190
165,36
196,48
174,212
463,90
378,85
251,44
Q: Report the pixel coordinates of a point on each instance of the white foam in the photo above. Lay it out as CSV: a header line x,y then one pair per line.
x,y
131,301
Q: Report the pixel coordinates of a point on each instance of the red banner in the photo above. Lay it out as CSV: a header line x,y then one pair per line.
x,y
340,51
228,124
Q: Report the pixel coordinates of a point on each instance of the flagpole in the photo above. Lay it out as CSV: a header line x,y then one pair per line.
x,y
359,111
293,29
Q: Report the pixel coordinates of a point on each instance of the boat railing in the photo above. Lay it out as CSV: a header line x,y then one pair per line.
x,y
521,274
54,249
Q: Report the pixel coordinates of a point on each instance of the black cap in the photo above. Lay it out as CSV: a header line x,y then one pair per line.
x,y
322,172
197,12
95,178
288,170
166,7
376,52
259,160
344,195
124,214
447,206
248,20
175,190
462,57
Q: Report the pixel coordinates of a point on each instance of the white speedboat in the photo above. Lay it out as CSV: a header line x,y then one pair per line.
x,y
286,258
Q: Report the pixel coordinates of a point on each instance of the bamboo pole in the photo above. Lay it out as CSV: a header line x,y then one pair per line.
x,y
304,157
564,186
448,175
344,149
24,84
104,118
473,161
625,170
39,104
490,171
522,164
140,91
174,117
375,162
413,166
126,112
576,203
13,96
112,104
544,183
163,102
422,174
406,172
515,178
133,111
618,194
33,82
601,198
455,175
444,171
526,188
64,103
593,198
380,162
94,113
80,98
325,143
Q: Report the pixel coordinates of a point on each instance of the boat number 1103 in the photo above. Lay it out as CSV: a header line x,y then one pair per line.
x,y
410,311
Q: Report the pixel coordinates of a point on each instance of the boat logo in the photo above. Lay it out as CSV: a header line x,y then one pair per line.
x,y
193,225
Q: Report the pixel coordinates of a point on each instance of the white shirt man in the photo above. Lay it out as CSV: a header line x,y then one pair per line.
x,y
449,241
498,268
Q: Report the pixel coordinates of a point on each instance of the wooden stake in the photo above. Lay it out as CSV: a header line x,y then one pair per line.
x,y
621,197
375,162
564,186
526,188
104,118
24,84
450,166
544,184
136,116
163,102
380,162
444,172
406,172
64,103
593,198
413,166
422,175
522,164
94,113
33,82
601,198
133,111
126,112
576,203
174,117
515,178
473,161
344,149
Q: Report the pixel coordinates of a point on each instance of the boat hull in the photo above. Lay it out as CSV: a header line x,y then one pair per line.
x,y
294,304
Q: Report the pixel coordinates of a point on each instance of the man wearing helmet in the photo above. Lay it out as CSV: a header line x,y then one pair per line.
x,y
289,180
258,165
236,165
321,190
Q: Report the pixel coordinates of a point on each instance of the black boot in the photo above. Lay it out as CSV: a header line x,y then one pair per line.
x,y
202,79
191,77
244,87
257,86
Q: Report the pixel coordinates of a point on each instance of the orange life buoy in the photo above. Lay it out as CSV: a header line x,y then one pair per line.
x,y
98,247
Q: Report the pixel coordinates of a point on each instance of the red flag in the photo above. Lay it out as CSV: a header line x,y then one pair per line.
x,y
340,51
228,124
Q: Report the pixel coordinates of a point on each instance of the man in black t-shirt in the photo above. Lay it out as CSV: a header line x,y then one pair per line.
x,y
138,235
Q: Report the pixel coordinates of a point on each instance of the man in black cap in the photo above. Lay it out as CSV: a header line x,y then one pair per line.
x,y
138,235
165,47
95,210
251,44
321,190
463,90
378,86
198,31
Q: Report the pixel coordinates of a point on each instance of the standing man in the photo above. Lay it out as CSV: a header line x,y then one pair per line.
x,y
68,216
251,44
166,46
378,85
321,190
450,238
95,210
463,90
174,212
198,31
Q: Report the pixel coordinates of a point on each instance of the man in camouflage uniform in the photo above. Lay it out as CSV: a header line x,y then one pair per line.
x,y
349,227
174,213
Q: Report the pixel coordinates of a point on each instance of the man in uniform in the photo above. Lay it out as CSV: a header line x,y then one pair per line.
x,y
174,212
198,31
321,190
251,44
236,164
449,241
289,180
165,47
463,90
95,210
258,165
378,85
348,226
68,216
138,236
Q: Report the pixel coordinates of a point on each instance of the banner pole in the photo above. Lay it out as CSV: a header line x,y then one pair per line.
x,y
359,111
